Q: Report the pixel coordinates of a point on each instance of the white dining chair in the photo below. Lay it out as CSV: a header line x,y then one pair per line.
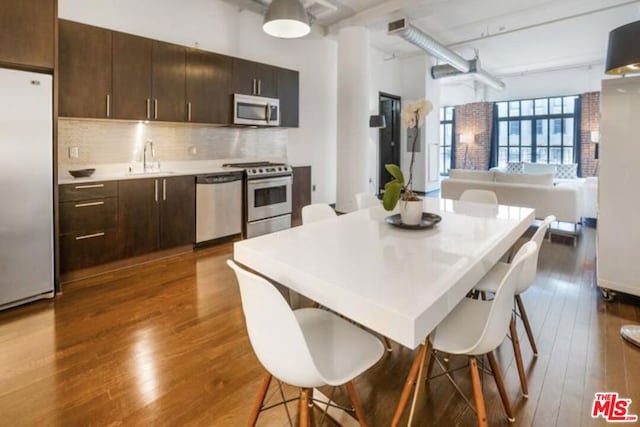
x,y
477,327
490,281
306,348
479,196
366,200
317,212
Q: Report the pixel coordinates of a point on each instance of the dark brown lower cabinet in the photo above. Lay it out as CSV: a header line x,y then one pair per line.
x,y
301,192
83,250
177,211
138,216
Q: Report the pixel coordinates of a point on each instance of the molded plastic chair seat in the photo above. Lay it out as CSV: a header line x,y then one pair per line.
x,y
317,212
456,334
366,200
491,280
479,196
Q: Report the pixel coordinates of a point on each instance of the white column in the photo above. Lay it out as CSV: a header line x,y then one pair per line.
x,y
432,131
353,134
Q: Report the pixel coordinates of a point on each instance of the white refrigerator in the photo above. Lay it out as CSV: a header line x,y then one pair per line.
x,y
26,187
618,230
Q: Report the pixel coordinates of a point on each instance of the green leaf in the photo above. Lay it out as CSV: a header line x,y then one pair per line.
x,y
391,195
395,172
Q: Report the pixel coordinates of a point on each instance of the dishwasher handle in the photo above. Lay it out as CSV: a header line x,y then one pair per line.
x,y
218,179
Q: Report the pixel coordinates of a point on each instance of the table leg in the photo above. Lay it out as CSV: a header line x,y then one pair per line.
x,y
418,361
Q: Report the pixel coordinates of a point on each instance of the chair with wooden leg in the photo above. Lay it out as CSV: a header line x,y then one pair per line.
x,y
306,348
475,328
366,200
479,196
317,212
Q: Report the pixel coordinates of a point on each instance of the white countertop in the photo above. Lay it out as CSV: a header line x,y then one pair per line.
x,y
400,283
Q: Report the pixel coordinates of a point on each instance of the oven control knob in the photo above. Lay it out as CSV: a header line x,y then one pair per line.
x,y
260,170
279,169
253,171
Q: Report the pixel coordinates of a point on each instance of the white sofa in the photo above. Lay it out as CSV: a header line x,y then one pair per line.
x,y
563,201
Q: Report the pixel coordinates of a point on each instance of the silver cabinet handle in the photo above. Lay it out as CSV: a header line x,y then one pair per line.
x,y
188,111
259,87
108,105
86,205
156,188
155,109
148,108
89,236
81,187
164,189
254,89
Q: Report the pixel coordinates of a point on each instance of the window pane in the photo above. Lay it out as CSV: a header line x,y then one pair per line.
x,y
567,155
542,106
525,154
447,134
555,155
514,109
514,133
502,156
525,131
503,133
569,104
502,109
541,155
568,132
556,132
514,154
555,106
541,132
449,113
441,134
527,107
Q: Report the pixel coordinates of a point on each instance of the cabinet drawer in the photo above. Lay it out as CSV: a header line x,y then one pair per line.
x,y
80,250
87,191
88,215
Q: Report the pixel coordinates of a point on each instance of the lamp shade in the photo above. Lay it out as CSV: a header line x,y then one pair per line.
x,y
623,53
286,19
377,121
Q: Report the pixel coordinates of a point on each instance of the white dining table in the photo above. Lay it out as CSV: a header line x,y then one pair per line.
x,y
397,282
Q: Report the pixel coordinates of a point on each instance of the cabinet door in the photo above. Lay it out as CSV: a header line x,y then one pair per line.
x,y
84,70
167,82
131,77
26,32
267,85
177,211
288,93
138,206
244,77
300,192
83,250
208,87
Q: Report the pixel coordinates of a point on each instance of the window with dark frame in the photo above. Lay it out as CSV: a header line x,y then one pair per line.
x,y
446,139
536,130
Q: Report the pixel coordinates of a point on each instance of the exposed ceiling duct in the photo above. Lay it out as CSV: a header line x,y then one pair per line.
x,y
455,64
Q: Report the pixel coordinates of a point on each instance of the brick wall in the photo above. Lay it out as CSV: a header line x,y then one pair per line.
x,y
589,121
475,119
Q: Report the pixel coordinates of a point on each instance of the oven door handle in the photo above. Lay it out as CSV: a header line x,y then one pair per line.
x,y
256,182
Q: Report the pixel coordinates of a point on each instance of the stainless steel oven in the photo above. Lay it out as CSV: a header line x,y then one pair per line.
x,y
255,110
267,197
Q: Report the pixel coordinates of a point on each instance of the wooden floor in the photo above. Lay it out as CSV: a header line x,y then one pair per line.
x,y
165,344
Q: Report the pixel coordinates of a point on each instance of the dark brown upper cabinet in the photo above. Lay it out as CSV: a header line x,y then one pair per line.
x,y
208,88
253,78
168,69
84,66
288,93
131,77
27,33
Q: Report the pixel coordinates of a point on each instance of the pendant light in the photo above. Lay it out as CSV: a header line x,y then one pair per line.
x,y
286,19
623,54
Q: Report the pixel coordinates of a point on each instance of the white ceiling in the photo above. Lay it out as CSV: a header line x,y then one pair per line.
x,y
512,36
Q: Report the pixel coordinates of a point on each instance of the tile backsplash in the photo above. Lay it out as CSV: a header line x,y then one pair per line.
x,y
104,141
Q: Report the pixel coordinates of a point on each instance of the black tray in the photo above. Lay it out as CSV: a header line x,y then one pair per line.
x,y
82,173
428,221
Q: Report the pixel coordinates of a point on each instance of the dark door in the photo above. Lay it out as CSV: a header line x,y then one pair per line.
x,y
84,70
208,87
244,77
288,93
300,192
167,82
389,137
177,211
26,32
266,76
138,218
131,77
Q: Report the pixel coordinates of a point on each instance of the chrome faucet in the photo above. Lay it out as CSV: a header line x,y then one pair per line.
x,y
148,148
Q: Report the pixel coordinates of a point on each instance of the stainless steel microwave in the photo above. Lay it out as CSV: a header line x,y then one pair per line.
x,y
255,110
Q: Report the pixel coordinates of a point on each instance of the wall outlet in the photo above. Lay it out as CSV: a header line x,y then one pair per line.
x,y
313,187
74,152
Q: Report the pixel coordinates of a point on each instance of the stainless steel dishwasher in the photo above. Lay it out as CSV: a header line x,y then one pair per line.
x,y
218,206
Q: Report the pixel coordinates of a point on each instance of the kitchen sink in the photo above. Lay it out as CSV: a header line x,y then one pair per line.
x,y
150,173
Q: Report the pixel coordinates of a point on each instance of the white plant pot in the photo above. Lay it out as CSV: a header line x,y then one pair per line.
x,y
411,212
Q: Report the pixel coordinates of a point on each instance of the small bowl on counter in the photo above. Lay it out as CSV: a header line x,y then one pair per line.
x,y
82,173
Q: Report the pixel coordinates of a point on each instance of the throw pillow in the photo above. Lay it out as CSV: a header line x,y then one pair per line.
x,y
525,178
538,168
471,175
514,167
567,171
